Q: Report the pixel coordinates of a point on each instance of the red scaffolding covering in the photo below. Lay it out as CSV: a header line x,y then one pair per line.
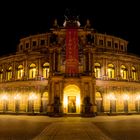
x,y
72,51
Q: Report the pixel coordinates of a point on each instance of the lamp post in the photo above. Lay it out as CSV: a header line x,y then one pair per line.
x,y
138,100
111,98
32,97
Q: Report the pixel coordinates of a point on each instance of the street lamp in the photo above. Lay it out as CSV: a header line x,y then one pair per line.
x,y
138,99
32,97
111,98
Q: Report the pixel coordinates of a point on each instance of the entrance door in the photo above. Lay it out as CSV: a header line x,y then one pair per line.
x,y
71,104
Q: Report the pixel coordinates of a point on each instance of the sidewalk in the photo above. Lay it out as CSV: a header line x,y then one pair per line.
x,y
71,131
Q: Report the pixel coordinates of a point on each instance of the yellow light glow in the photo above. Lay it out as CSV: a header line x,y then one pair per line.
x,y
21,72
65,102
32,97
138,97
17,97
4,97
125,97
111,97
78,100
71,90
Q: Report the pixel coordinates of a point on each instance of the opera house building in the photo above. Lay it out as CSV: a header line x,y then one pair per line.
x,y
70,70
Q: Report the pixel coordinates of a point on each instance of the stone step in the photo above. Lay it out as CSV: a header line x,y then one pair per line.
x,y
72,115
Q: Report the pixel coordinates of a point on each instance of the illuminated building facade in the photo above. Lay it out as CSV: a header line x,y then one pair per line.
x,y
72,70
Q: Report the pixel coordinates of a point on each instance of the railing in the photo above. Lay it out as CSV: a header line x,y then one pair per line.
x,y
24,79
71,75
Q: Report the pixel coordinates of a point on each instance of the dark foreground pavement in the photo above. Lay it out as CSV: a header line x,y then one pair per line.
x,y
14,127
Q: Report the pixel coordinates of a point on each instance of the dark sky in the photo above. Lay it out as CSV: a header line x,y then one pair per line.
x,y
23,18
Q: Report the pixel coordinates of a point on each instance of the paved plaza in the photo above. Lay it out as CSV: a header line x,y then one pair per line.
x,y
14,127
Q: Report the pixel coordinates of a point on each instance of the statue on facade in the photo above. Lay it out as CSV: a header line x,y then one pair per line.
x,y
88,25
71,19
55,25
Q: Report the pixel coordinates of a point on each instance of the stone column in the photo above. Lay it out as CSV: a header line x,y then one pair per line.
x,y
82,95
105,68
93,89
84,62
49,96
59,58
61,95
39,68
26,69
89,56
14,71
51,62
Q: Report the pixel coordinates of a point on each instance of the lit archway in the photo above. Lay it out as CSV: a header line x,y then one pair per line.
x,y
71,100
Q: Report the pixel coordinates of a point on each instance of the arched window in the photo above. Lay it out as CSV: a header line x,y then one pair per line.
x,y
1,75
9,73
110,71
97,70
32,71
46,69
20,72
123,72
133,69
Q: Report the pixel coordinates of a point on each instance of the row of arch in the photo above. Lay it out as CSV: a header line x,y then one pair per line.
x,y
28,102
111,102
21,71
111,71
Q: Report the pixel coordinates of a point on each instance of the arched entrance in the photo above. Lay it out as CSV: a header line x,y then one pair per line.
x,y
71,99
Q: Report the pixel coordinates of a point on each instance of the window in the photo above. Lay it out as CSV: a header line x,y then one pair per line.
x,y
133,69
20,72
27,45
123,72
1,75
101,42
97,70
21,47
34,43
108,43
53,38
110,71
46,69
9,73
89,38
42,42
116,45
121,47
32,71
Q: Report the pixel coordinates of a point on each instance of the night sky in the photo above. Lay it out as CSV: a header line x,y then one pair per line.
x,y
24,18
